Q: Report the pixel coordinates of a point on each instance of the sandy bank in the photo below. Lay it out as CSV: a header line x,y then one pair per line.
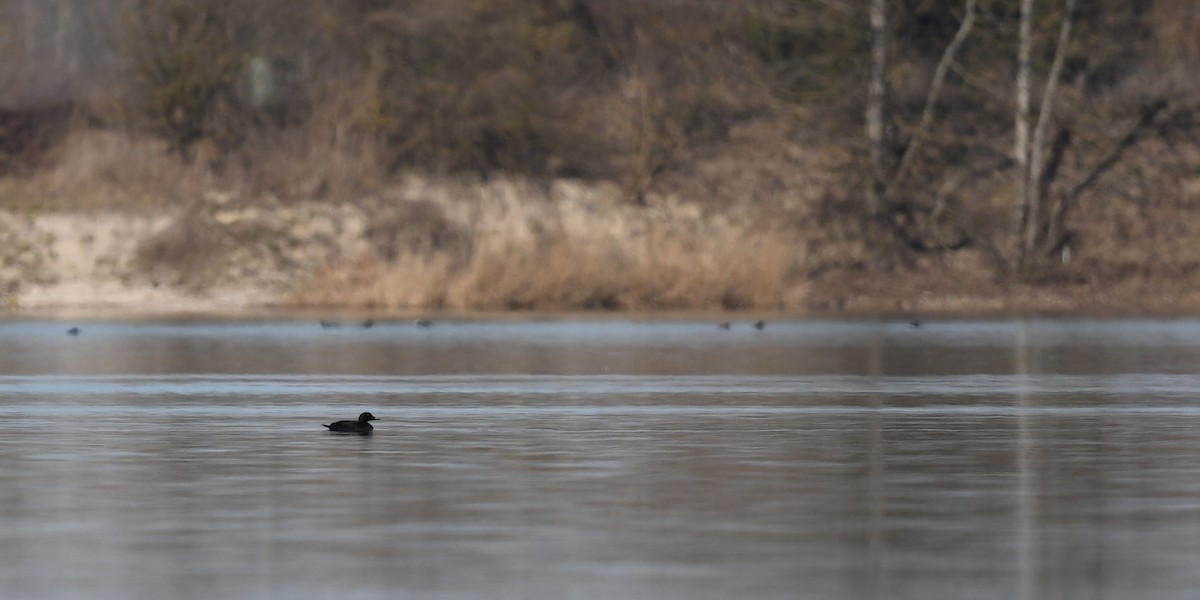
x,y
495,246
510,247
153,262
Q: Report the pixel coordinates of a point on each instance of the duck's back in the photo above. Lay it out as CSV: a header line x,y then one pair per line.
x,y
349,426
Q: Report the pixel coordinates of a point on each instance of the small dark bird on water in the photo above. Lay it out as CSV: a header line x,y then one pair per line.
x,y
73,331
760,325
362,425
725,325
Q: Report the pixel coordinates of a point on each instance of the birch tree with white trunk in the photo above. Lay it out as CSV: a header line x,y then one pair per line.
x,y
876,107
1031,149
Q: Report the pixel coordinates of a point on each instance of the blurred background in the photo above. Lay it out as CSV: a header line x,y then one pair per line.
x,y
659,148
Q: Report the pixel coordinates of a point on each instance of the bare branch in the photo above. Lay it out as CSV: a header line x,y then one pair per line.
x,y
935,90
876,99
1055,229
1045,114
1149,114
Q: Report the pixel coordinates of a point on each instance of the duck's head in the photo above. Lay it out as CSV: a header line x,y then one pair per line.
x,y
363,418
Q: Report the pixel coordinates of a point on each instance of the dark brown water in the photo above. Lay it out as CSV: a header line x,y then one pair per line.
x,y
1041,459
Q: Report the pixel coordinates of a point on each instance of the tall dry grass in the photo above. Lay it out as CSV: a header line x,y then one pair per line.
x,y
327,157
97,169
534,254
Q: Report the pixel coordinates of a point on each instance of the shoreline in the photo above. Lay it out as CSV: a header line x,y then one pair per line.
x,y
197,312
511,250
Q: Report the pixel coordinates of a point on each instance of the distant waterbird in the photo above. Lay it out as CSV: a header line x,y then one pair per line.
x,y
361,426
327,324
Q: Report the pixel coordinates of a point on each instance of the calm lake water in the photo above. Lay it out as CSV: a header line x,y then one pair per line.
x,y
605,459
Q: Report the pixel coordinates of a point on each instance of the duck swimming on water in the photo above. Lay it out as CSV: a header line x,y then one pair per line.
x,y
362,425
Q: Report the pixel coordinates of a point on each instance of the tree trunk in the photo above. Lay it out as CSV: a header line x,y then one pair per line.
x,y
935,91
1036,183
1021,126
876,101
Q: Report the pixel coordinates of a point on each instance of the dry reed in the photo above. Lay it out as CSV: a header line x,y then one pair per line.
x,y
537,255
96,169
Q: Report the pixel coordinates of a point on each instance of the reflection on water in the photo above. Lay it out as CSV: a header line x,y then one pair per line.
x,y
601,460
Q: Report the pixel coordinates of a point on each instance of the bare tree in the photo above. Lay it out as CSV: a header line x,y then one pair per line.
x,y
876,106
1036,180
1021,125
885,184
1034,173
935,91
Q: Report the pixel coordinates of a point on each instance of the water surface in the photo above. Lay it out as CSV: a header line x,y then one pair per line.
x,y
604,459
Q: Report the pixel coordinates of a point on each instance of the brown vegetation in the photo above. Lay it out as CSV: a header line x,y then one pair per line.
x,y
584,252
725,140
